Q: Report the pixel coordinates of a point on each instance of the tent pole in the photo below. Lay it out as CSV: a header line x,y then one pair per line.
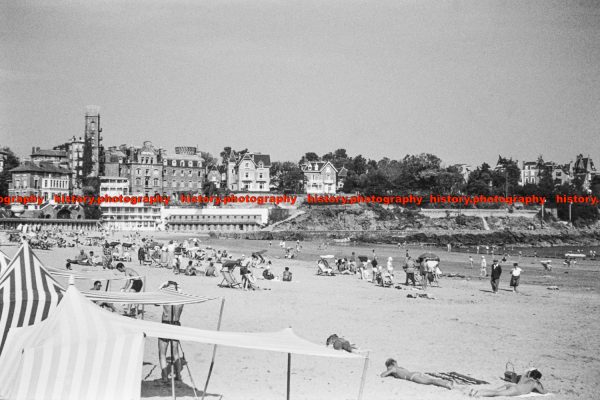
x,y
364,376
289,366
143,305
212,362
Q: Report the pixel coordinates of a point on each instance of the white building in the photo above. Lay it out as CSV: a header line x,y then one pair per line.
x,y
320,177
123,216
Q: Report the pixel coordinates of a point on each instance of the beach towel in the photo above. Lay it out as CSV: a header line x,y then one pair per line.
x,y
535,394
460,379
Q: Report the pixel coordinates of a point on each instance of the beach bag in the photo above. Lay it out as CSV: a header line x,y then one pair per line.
x,y
509,374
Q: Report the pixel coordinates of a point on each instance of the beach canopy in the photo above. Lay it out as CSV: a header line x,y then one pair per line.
x,y
27,292
84,352
163,297
90,274
428,257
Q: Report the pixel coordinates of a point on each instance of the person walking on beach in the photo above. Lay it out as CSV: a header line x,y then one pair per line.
x,y
515,276
483,268
409,268
171,315
495,275
471,262
141,255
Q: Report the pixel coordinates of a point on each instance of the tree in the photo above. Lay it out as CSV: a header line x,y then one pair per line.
x,y
310,156
359,165
417,172
506,175
480,180
11,161
288,175
225,154
208,159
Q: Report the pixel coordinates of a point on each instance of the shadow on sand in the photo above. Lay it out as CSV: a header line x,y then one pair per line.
x,y
156,388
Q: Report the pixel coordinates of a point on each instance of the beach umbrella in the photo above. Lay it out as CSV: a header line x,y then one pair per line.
x,y
363,258
429,256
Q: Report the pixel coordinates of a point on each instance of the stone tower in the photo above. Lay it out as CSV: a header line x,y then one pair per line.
x,y
92,133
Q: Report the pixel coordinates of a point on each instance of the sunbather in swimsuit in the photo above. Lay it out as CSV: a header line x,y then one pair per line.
x,y
528,383
418,377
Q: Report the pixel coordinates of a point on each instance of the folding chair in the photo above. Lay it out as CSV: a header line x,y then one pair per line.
x,y
229,280
323,267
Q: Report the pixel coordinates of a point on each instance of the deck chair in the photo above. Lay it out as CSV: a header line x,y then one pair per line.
x,y
228,279
323,268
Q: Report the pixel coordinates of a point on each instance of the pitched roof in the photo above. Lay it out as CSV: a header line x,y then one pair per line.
x,y
41,168
317,166
256,158
49,153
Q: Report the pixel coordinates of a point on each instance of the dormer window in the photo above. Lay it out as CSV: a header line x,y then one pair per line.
x,y
174,163
261,165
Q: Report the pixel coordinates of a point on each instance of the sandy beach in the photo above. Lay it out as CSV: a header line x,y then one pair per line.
x,y
466,328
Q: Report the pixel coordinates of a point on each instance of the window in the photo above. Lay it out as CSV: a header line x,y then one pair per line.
x,y
138,181
246,175
174,163
137,171
247,165
260,175
182,163
155,172
262,185
190,172
190,164
155,181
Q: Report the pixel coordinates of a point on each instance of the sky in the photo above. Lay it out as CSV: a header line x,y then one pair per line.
x,y
465,80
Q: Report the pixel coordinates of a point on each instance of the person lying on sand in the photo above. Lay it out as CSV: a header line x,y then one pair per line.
x,y
418,377
528,383
340,343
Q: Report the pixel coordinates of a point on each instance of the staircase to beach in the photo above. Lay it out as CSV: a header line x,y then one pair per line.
x,y
485,224
291,217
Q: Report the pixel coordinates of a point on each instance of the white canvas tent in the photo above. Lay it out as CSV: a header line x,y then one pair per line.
x,y
83,352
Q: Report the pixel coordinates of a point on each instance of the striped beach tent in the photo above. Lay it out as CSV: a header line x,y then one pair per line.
x,y
4,261
84,352
27,292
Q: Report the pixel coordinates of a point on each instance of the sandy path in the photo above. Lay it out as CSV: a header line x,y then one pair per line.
x,y
466,329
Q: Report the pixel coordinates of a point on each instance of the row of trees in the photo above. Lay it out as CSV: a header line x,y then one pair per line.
x,y
425,174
